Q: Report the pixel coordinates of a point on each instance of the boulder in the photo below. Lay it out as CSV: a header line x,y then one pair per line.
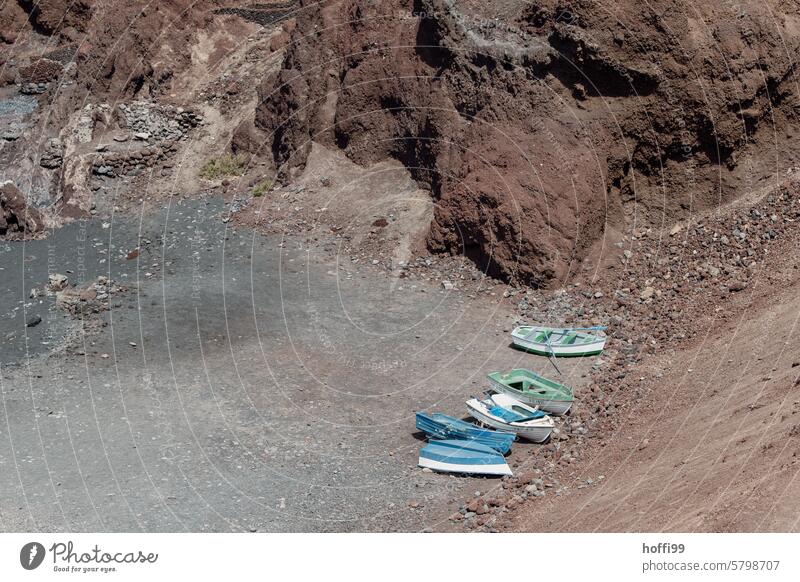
x,y
17,219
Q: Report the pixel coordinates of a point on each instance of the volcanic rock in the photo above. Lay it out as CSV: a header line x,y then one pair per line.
x,y
17,219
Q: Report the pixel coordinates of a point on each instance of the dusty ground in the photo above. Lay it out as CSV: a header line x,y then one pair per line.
x,y
255,396
263,392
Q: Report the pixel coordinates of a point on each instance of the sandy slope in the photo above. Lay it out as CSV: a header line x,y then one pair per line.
x,y
711,442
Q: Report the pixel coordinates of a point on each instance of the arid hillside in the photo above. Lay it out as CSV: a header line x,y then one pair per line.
x,y
538,126
378,191
708,435
100,100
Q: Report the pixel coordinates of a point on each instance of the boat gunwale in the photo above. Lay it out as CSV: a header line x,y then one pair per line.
x,y
598,339
537,434
461,456
538,378
562,394
448,428
546,352
516,423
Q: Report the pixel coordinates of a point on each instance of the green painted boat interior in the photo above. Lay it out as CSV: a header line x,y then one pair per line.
x,y
533,384
563,337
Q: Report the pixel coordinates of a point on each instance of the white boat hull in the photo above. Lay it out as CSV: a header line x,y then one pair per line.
x,y
560,351
537,434
499,469
557,407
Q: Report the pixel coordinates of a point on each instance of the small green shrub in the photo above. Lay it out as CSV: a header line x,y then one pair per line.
x,y
226,165
261,188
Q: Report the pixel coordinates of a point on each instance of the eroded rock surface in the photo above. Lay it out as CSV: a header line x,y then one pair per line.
x,y
537,125
17,219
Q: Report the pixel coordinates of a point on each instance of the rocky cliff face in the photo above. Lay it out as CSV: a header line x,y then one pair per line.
x,y
120,49
542,129
70,69
541,126
17,219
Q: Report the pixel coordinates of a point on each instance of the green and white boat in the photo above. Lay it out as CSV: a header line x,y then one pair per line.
x,y
530,388
560,342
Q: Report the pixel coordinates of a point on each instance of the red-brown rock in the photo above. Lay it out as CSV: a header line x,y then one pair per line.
x,y
17,219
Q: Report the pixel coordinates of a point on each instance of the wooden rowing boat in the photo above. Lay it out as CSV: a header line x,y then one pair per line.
x,y
505,413
531,388
461,456
559,342
440,426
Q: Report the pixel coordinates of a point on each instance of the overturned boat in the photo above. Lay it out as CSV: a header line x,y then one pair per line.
x,y
505,413
461,456
441,426
560,342
530,388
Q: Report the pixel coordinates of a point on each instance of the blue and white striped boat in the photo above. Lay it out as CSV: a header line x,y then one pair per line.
x,y
441,426
460,456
